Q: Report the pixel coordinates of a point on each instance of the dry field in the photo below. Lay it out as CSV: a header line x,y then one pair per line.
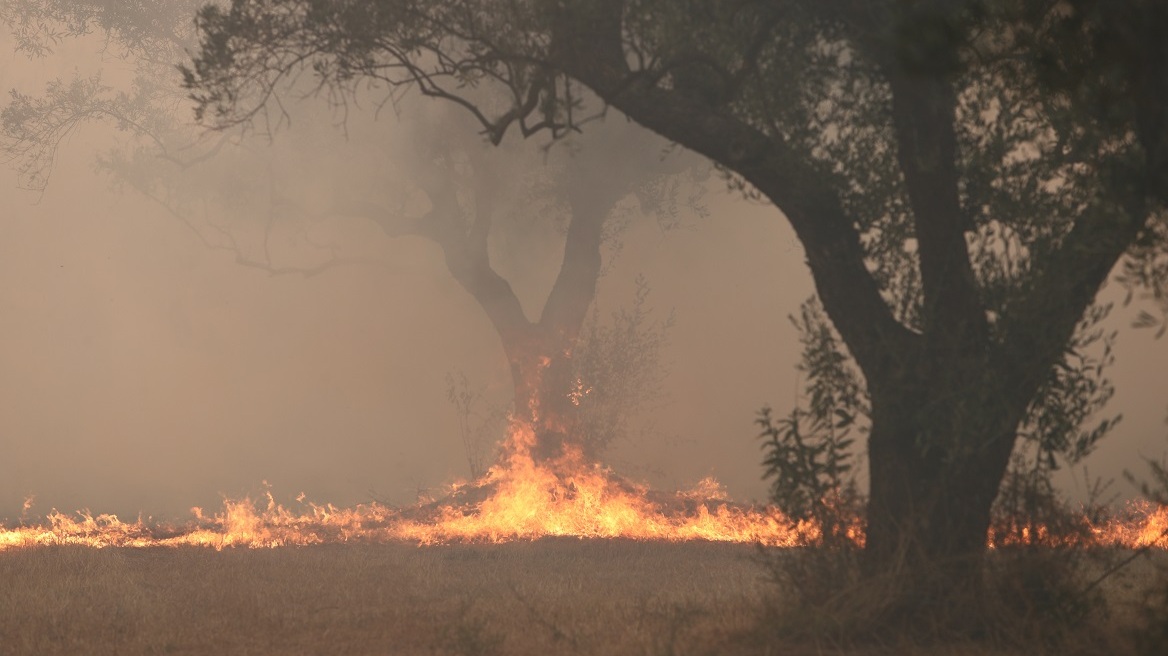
x,y
555,596
546,597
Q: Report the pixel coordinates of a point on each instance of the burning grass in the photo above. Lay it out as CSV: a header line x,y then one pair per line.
x,y
537,557
506,506
518,499
524,499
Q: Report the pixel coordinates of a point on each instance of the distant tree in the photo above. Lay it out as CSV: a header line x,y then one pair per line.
x,y
209,182
964,175
476,203
618,374
468,187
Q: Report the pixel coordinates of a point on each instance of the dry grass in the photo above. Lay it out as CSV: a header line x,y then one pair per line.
x,y
552,596
547,597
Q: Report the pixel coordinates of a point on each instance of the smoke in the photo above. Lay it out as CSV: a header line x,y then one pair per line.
x,y
159,352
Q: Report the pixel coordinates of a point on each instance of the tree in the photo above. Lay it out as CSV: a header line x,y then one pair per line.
x,y
467,187
963,175
474,200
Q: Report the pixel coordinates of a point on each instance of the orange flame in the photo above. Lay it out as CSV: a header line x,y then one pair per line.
x,y
518,499
570,497
1139,524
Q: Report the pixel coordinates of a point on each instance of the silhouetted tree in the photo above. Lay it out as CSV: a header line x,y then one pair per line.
x,y
964,175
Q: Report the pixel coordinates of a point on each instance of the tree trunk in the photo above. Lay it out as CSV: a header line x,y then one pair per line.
x,y
542,376
947,395
935,473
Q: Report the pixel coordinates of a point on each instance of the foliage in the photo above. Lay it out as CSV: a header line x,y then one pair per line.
x,y
1075,393
147,38
809,453
1034,587
1157,488
963,177
208,182
159,29
807,76
619,370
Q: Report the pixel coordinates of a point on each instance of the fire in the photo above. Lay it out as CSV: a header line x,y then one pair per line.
x,y
1140,524
240,523
518,499
521,498
526,500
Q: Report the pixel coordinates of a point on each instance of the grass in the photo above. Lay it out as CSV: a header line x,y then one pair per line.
x,y
554,596
547,597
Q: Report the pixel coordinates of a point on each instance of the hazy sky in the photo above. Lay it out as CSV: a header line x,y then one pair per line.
x,y
141,371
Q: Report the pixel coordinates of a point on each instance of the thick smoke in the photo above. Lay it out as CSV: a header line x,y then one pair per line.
x,y
233,326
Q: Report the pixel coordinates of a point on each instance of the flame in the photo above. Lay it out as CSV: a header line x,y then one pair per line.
x,y
240,523
567,496
1138,525
579,391
520,498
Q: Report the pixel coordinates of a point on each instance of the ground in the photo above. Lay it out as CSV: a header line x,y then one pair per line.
x,y
552,596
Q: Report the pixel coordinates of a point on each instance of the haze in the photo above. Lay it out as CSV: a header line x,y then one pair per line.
x,y
145,372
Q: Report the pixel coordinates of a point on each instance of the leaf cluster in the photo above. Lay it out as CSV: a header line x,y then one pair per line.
x,y
620,370
1049,96
809,454
1061,422
445,49
158,29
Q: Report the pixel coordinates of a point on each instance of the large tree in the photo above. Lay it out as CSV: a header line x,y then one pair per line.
x,y
963,175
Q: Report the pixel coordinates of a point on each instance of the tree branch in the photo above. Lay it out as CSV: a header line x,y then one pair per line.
x,y
575,286
588,48
923,111
1036,328
470,265
241,258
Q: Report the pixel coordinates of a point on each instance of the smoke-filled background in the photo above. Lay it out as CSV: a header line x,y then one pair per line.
x,y
159,353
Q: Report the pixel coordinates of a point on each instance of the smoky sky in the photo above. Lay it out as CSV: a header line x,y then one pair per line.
x,y
144,371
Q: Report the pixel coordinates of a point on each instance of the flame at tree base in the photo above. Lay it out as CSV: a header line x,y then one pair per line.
x,y
519,499
569,496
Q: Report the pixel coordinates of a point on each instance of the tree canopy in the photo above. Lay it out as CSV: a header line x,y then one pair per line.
x,y
964,175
